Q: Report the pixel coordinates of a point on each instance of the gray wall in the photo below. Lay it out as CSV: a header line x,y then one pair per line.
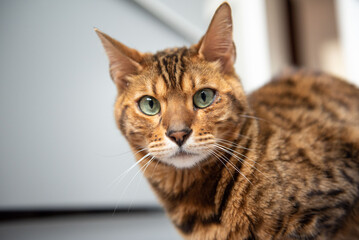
x,y
59,146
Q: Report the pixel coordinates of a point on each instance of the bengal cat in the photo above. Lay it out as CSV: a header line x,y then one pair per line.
x,y
281,163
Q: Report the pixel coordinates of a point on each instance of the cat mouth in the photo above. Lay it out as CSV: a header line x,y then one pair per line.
x,y
184,159
183,154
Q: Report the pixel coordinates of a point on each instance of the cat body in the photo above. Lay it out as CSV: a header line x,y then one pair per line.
x,y
281,163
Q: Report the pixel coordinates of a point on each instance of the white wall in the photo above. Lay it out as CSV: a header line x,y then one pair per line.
x,y
59,146
348,23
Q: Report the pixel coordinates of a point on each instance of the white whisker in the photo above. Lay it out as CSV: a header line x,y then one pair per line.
x,y
235,167
154,169
139,183
229,143
228,150
238,159
239,154
253,117
125,189
119,178
218,156
121,154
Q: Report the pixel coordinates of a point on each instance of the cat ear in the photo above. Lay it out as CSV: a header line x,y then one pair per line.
x,y
217,44
124,61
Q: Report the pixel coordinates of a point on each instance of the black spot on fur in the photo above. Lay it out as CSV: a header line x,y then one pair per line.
x,y
187,224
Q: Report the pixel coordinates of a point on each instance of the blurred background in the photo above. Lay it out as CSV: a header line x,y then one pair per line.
x,y
61,157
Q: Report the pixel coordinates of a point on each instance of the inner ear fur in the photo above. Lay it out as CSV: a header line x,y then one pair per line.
x,y
124,61
217,44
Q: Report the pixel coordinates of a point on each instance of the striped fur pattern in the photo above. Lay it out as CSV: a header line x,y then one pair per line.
x,y
281,163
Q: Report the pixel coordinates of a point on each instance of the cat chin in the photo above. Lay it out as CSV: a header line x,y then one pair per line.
x,y
184,161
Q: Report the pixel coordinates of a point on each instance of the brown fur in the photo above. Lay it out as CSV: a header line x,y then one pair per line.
x,y
282,163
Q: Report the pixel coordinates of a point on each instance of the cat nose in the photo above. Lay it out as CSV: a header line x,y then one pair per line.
x,y
180,136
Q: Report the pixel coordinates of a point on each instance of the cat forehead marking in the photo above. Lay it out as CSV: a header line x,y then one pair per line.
x,y
171,66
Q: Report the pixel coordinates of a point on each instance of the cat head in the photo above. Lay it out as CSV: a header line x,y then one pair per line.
x,y
176,104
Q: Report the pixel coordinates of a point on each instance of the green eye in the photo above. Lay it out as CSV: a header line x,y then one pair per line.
x,y
149,105
203,98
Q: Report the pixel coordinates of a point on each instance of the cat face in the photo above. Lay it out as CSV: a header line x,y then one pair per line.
x,y
177,104
177,118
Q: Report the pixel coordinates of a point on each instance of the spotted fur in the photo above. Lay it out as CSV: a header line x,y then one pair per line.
x,y
281,163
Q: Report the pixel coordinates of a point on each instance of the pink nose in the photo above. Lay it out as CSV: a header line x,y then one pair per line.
x,y
179,137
